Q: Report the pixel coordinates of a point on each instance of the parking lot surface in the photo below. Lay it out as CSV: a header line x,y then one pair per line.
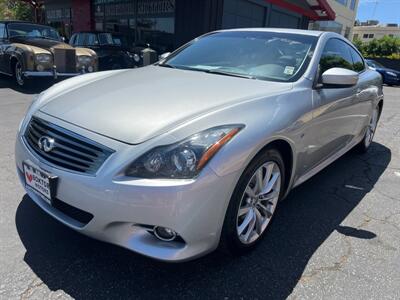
x,y
337,236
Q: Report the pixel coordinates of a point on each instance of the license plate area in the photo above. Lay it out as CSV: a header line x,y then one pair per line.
x,y
40,181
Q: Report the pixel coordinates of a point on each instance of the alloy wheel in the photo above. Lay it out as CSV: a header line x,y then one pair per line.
x,y
258,202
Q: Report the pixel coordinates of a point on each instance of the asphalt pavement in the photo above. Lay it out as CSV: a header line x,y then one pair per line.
x,y
337,236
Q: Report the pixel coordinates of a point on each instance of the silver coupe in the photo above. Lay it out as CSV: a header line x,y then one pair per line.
x,y
195,152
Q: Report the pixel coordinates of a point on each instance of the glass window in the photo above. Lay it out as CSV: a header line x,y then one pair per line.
x,y
327,26
106,39
365,35
358,63
2,31
261,55
29,30
374,64
353,4
355,36
336,54
80,39
344,2
92,39
347,32
371,36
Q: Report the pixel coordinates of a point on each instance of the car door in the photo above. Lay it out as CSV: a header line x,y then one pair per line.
x,y
366,92
334,110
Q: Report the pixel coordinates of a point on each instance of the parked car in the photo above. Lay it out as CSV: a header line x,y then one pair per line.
x,y
389,76
112,51
30,50
173,159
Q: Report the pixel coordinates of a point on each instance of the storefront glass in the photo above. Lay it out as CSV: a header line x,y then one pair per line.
x,y
142,21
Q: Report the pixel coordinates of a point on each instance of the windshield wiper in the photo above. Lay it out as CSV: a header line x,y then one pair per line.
x,y
226,73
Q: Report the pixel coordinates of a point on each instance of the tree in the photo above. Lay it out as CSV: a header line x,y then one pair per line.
x,y
386,46
16,10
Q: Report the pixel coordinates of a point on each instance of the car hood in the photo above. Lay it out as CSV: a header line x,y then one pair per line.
x,y
41,43
133,106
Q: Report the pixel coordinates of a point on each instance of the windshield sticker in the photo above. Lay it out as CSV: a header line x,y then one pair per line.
x,y
289,70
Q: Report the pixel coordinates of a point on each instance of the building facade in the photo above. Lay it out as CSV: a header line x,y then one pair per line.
x,y
346,11
368,33
167,24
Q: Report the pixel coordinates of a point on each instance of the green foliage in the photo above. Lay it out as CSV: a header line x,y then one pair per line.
x,y
383,47
15,10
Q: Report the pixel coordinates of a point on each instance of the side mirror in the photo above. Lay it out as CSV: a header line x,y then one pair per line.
x,y
339,77
63,39
164,55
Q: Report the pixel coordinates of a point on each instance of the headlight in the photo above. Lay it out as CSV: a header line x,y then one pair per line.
x,y
184,159
43,58
84,59
391,74
136,57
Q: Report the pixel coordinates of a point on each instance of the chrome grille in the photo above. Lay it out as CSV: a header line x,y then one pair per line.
x,y
65,60
71,151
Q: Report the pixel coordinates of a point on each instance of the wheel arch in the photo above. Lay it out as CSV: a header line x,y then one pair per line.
x,y
286,149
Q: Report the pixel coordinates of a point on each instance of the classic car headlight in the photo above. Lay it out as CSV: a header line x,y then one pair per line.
x,y
85,60
43,58
184,159
391,74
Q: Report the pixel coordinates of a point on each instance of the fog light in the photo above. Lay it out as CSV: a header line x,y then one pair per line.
x,y
40,68
164,234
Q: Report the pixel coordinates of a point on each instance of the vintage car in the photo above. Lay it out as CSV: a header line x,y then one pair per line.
x,y
30,50
113,51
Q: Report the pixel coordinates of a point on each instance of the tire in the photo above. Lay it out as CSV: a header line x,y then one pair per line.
x,y
234,231
365,143
19,79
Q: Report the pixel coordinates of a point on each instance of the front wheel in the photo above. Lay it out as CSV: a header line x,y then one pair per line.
x,y
253,202
19,77
364,145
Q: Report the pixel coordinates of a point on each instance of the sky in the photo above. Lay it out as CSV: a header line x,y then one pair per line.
x,y
386,11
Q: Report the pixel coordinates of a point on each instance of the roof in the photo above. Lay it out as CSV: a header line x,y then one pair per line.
x,y
316,10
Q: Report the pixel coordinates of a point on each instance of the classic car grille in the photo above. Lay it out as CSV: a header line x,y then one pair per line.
x,y
65,60
71,151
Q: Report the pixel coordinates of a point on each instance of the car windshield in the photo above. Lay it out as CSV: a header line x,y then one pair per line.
x,y
251,54
374,64
32,31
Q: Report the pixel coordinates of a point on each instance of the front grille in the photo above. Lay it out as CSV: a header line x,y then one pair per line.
x,y
65,60
71,151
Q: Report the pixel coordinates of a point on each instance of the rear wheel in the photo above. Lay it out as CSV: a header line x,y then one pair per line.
x,y
364,145
254,202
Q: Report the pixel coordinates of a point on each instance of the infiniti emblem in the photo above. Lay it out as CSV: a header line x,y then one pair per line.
x,y
46,143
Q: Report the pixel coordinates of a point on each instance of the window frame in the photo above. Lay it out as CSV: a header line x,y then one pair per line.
x,y
5,35
317,81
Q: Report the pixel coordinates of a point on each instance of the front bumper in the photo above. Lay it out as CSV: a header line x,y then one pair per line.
x,y
54,73
123,208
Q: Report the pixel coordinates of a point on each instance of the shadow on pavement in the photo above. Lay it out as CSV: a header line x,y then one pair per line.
x,y
85,268
36,86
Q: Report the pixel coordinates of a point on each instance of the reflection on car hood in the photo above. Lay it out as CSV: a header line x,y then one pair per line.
x,y
135,105
41,43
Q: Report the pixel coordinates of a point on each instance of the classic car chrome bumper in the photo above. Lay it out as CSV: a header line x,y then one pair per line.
x,y
54,75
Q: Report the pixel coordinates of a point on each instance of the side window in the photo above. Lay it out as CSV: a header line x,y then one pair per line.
x,y
80,39
335,55
358,63
72,40
2,30
92,39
